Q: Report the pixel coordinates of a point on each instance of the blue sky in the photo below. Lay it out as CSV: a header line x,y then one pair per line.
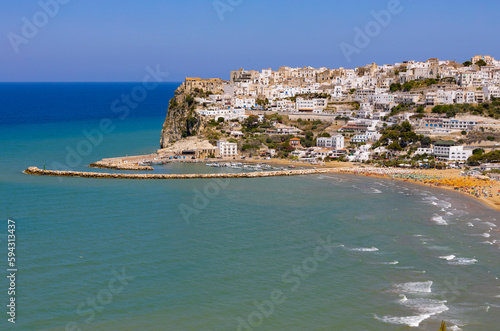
x,y
115,40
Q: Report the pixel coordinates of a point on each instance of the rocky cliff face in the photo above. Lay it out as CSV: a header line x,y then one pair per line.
x,y
182,120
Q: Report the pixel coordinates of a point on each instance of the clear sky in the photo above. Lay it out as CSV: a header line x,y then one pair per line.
x,y
115,40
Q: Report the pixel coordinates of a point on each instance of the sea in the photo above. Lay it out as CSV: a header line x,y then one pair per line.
x,y
315,252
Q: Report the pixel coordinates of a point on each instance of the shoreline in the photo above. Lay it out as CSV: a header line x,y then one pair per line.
x,y
490,202
338,167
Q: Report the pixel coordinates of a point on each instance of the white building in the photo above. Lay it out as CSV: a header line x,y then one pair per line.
x,y
445,97
314,105
244,102
335,142
449,123
365,137
422,150
491,91
382,98
227,148
447,151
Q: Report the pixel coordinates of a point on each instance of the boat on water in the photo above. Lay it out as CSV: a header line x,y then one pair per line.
x,y
291,167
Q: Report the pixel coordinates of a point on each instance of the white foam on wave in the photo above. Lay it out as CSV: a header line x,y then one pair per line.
x,y
437,202
412,321
375,191
449,214
488,242
470,224
424,307
439,220
438,248
448,257
430,200
485,235
444,204
414,287
462,261
388,263
363,249
490,224
427,306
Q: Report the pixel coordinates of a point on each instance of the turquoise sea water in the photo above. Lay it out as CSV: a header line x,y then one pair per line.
x,y
331,252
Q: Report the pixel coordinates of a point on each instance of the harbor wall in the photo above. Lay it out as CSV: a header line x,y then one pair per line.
x,y
40,172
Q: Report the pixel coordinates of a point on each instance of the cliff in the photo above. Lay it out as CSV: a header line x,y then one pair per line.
x,y
182,120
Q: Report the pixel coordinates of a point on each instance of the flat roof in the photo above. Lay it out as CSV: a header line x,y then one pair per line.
x,y
445,143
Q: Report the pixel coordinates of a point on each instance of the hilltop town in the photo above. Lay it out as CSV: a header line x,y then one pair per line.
x,y
428,114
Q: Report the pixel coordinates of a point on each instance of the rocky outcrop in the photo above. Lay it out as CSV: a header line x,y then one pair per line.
x,y
182,120
40,172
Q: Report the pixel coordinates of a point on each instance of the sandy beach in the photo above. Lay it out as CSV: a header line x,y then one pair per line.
x,y
449,177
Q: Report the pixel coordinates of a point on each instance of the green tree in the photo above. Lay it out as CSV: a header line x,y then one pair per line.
x,y
406,126
425,141
481,63
251,122
395,146
467,64
189,99
478,151
395,87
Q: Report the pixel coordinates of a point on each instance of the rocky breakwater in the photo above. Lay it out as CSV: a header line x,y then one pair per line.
x,y
40,172
119,166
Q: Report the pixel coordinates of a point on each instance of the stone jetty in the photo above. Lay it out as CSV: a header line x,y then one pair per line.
x,y
40,172
119,166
